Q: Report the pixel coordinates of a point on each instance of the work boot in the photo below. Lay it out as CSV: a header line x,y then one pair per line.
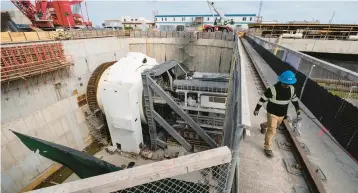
x,y
268,153
263,128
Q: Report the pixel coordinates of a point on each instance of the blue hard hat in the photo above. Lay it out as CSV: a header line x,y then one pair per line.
x,y
287,77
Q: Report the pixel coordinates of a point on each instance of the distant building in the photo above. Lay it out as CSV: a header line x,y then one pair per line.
x,y
127,21
178,22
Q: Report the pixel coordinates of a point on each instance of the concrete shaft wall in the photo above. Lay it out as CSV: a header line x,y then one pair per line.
x,y
49,113
312,45
40,109
204,55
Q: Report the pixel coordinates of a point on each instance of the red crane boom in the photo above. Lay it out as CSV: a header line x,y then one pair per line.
x,y
50,14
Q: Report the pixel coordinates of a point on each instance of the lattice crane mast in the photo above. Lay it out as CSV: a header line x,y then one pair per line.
x,y
51,14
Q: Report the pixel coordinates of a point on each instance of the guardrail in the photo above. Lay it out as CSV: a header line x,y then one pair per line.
x,y
237,117
337,80
21,37
304,62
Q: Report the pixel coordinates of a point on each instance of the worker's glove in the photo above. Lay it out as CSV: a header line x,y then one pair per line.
x,y
256,112
298,112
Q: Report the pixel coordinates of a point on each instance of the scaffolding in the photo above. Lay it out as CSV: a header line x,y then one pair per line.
x,y
308,31
24,61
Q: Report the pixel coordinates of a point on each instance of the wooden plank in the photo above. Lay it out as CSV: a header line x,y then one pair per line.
x,y
144,174
43,176
31,36
5,37
18,36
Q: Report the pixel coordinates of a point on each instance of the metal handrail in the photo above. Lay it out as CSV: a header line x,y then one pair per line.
x,y
350,75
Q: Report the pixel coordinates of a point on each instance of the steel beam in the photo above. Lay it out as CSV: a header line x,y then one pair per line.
x,y
172,131
149,108
181,113
161,143
309,171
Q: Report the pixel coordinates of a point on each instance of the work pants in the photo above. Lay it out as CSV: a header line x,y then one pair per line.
x,y
272,122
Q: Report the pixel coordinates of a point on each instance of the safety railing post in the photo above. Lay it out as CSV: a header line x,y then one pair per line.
x,y
350,92
304,84
235,159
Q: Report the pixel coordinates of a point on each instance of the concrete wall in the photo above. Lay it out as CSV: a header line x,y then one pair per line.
x,y
52,114
48,113
328,46
204,55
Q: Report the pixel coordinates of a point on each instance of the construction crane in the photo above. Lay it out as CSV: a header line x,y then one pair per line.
x,y
259,18
49,15
219,24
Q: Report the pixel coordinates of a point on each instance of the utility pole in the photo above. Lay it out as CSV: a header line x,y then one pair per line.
x,y
329,27
330,21
155,13
259,14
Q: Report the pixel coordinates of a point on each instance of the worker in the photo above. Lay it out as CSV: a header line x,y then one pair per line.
x,y
278,97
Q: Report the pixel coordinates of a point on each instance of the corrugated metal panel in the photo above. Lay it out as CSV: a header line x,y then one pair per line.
x,y
167,28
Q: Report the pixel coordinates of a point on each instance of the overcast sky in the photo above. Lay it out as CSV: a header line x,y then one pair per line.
x,y
283,11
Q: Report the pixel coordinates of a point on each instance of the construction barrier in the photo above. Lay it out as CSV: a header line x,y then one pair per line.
x,y
20,37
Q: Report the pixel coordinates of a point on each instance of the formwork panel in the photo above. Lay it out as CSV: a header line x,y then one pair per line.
x,y
22,61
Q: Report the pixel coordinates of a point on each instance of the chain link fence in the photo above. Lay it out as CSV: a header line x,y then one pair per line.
x,y
328,91
202,172
209,180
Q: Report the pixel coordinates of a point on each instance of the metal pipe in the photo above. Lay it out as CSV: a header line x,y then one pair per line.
x,y
350,75
88,19
342,89
304,84
235,158
278,42
350,91
333,81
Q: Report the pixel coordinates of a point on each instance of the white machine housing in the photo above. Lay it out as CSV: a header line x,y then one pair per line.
x,y
119,96
210,101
